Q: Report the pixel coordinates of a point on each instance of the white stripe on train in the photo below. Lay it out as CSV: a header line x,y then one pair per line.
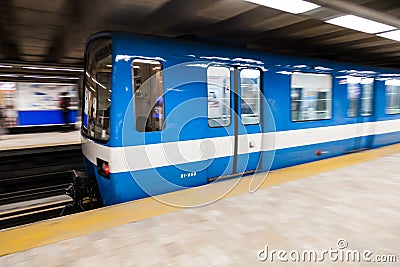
x,y
165,154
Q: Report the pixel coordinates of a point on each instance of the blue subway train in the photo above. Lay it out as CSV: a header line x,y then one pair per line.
x,y
161,114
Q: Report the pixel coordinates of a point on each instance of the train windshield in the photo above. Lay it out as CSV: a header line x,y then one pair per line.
x,y
96,107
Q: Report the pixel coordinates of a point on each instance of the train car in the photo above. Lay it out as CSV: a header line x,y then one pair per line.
x,y
161,115
36,103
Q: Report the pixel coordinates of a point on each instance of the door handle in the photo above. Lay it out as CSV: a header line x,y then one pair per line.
x,y
252,144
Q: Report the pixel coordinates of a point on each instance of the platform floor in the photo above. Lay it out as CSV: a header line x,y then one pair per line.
x,y
353,200
34,140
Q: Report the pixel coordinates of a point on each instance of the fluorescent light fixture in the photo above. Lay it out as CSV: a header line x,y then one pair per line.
x,y
6,66
291,6
99,83
393,35
53,69
8,75
49,77
360,24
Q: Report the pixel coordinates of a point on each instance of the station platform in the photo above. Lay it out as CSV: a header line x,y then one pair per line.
x,y
347,205
38,140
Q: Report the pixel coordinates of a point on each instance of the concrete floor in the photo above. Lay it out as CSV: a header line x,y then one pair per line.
x,y
20,141
356,205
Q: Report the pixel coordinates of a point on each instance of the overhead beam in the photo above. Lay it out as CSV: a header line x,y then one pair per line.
x,y
282,32
8,42
241,22
372,48
371,42
81,18
172,13
359,10
306,47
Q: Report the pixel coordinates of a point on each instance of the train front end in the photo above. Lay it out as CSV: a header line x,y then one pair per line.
x,y
106,121
96,106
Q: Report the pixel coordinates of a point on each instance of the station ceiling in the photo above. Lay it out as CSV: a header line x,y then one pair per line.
x,y
54,32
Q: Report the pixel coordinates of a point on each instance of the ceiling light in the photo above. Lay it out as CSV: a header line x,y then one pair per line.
x,y
393,35
52,69
360,24
291,6
49,77
8,75
5,66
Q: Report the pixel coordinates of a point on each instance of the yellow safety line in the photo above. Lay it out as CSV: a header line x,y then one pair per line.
x,y
51,231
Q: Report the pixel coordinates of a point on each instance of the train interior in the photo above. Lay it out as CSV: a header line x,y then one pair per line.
x,y
97,90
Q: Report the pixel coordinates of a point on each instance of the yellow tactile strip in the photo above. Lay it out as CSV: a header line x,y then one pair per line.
x,y
38,234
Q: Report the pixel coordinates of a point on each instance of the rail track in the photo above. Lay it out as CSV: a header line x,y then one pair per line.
x,y
33,183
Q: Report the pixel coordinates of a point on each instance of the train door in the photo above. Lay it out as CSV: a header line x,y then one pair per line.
x,y
221,126
248,135
360,109
234,120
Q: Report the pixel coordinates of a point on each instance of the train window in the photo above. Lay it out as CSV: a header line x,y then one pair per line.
x,y
96,107
311,96
219,96
149,95
392,96
250,96
359,91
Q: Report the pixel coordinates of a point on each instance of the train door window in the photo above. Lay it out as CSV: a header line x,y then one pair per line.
x,y
392,96
96,107
311,96
367,96
353,95
219,96
250,96
359,89
149,99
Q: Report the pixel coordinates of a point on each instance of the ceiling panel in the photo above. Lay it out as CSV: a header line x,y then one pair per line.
x,y
55,31
224,9
53,6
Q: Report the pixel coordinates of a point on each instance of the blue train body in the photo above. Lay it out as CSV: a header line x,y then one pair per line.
x,y
222,111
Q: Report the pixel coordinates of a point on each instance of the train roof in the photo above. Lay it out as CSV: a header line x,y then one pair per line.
x,y
231,54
